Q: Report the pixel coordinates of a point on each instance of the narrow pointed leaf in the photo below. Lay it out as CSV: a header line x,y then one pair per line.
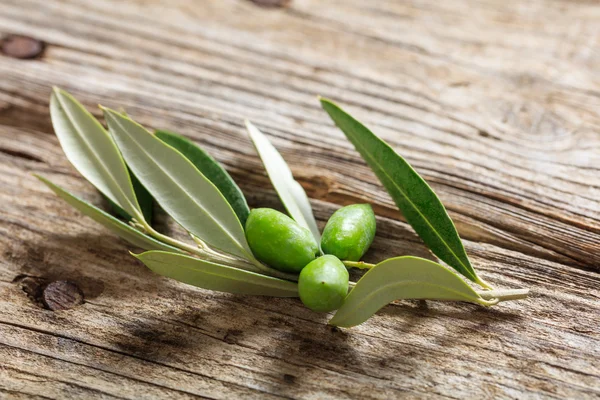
x,y
402,278
119,228
177,185
91,150
144,199
211,169
290,192
413,196
212,276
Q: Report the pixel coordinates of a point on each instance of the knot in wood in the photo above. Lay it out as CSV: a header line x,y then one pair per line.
x,y
22,47
62,295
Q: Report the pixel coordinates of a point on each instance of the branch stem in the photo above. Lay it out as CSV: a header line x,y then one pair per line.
x,y
207,253
500,294
504,294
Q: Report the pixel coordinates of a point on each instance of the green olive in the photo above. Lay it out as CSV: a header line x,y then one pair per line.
x,y
349,232
323,284
279,241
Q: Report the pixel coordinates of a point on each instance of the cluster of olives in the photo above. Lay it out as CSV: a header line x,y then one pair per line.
x,y
283,244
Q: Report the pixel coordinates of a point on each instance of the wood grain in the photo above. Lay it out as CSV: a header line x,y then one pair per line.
x,y
495,103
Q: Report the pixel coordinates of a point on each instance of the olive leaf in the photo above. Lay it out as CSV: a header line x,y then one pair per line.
x,y
290,192
144,199
413,196
92,151
211,169
403,278
120,228
212,276
177,185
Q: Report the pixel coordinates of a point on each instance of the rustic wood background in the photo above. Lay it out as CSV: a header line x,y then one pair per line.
x,y
495,102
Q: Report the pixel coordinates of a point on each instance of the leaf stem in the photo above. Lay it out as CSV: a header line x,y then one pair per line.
x,y
358,264
203,246
483,283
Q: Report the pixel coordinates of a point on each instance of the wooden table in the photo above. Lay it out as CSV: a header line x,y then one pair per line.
x,y
496,103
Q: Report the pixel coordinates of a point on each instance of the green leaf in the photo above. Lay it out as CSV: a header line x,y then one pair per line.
x,y
144,198
92,151
211,169
403,278
120,228
413,196
177,185
290,192
212,276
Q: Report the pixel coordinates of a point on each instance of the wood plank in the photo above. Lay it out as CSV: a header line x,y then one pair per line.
x,y
495,103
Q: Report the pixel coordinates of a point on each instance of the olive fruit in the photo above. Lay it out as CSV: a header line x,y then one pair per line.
x,y
279,241
349,232
323,284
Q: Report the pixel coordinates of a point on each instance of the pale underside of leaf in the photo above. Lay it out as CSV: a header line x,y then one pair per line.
x,y
403,278
432,222
290,192
116,226
212,276
91,150
177,185
144,199
211,169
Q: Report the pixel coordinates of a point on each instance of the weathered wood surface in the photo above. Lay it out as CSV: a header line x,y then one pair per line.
x,y
496,103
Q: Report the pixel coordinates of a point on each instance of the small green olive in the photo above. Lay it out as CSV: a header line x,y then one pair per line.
x,y
349,232
279,241
323,284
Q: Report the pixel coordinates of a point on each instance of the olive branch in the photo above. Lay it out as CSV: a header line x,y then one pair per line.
x,y
262,251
